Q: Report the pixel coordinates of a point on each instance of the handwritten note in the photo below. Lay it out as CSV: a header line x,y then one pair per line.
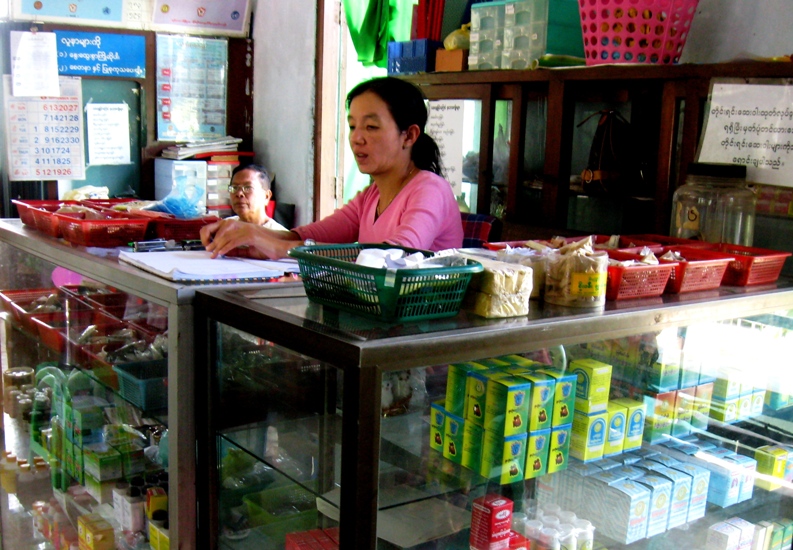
x,y
108,133
751,125
445,125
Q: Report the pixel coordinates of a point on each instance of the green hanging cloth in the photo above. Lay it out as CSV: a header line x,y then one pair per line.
x,y
375,23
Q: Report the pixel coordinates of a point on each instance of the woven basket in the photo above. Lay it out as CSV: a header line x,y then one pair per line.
x,y
635,31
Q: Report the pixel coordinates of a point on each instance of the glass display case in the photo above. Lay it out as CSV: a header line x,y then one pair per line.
x,y
655,423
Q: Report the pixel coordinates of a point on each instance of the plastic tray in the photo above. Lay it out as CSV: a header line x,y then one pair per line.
x,y
701,270
109,300
751,265
115,230
17,303
27,207
274,506
331,278
176,229
55,329
47,222
666,240
625,242
144,384
636,281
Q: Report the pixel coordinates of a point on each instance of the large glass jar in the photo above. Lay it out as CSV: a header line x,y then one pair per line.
x,y
715,205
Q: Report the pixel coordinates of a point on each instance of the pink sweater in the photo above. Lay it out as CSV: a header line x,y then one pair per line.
x,y
423,215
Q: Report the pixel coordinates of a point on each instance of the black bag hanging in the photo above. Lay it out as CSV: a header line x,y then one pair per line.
x,y
613,167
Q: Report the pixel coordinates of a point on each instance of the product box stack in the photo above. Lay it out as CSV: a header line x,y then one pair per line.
x,y
218,180
525,33
487,35
506,418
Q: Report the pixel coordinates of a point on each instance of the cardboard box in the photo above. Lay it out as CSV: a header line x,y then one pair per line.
x,y
437,425
634,423
588,436
700,480
625,518
680,497
723,536
724,411
503,458
703,395
456,386
473,440
746,529
771,462
564,396
660,409
684,410
660,499
615,434
476,385
491,522
102,462
451,60
537,455
508,403
453,431
559,452
541,404
593,381
748,467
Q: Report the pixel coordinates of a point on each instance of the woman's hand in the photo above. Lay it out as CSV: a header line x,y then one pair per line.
x,y
238,238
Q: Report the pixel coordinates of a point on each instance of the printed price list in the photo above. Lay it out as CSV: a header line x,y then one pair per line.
x,y
45,137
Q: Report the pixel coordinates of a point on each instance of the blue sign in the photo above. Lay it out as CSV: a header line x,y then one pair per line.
x,y
101,54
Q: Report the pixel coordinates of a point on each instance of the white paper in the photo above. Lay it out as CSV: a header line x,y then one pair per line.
x,y
751,125
198,265
445,126
108,133
34,64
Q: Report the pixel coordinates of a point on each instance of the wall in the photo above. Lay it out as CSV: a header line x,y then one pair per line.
x,y
284,35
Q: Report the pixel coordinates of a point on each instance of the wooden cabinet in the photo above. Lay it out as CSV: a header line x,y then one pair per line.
x,y
665,105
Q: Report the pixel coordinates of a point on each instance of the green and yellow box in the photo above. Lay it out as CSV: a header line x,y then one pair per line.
x,y
593,380
684,411
507,405
537,447
727,384
473,440
615,434
703,395
519,361
563,396
559,452
437,425
634,422
494,363
758,398
588,436
543,392
453,431
774,533
102,461
775,400
660,411
787,525
503,458
133,460
476,393
771,461
456,386
724,411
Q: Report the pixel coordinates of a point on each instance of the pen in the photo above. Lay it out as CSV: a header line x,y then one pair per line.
x,y
160,245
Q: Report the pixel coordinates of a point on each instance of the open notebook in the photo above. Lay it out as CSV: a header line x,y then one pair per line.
x,y
197,266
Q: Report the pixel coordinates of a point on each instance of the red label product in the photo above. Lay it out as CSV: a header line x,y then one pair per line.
x,y
491,523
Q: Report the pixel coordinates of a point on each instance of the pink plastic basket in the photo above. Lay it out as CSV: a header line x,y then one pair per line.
x,y
635,31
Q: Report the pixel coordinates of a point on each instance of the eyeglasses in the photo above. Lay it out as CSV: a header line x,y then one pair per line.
x,y
247,189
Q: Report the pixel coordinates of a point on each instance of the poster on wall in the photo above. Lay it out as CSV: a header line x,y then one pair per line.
x,y
45,134
219,17
101,54
191,87
34,66
111,13
751,125
108,133
445,125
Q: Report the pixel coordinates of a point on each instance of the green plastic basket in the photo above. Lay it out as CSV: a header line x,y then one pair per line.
x,y
282,505
332,278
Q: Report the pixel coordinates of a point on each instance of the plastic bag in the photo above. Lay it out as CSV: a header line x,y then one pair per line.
x,y
459,39
186,200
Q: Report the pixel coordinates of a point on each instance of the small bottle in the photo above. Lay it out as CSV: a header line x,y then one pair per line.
x,y
550,508
566,516
549,539
567,538
585,534
550,521
119,491
533,528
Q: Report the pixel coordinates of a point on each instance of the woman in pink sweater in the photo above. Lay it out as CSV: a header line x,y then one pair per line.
x,y
408,202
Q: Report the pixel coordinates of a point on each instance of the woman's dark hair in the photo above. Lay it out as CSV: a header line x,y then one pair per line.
x,y
406,103
264,174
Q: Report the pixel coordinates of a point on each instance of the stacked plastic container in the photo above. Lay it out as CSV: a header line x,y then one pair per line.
x,y
508,35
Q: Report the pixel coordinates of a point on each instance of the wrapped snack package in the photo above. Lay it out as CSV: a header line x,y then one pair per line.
x,y
577,276
501,305
536,259
501,289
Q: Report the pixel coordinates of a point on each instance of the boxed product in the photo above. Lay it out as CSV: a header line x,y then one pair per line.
x,y
133,460
681,495
508,402
626,516
725,482
476,393
437,425
102,461
456,380
771,461
747,532
592,385
473,437
491,523
758,399
723,536
588,436
634,422
453,431
503,458
537,455
660,362
660,499
684,409
724,411
660,409
700,480
773,535
559,452
748,467
703,395
541,404
564,396
615,434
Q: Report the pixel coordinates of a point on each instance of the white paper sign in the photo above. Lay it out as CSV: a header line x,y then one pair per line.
x,y
751,125
45,134
445,126
34,64
108,133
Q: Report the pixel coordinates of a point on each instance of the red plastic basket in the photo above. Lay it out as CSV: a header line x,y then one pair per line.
x,y
666,240
55,331
27,207
115,230
18,303
701,270
177,229
635,31
625,242
109,300
751,266
636,281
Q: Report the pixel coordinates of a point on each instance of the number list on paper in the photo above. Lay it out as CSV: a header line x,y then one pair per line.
x,y
45,134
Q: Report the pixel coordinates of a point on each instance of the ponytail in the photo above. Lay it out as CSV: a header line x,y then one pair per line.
x,y
426,155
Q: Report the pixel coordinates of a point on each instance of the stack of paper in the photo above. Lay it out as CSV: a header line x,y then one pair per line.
x,y
187,150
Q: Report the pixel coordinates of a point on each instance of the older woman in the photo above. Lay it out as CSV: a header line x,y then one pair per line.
x,y
408,202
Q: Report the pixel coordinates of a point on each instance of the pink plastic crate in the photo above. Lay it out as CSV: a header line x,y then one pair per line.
x,y
701,270
636,281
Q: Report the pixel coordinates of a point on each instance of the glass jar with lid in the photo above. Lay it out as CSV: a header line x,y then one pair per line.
x,y
715,204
